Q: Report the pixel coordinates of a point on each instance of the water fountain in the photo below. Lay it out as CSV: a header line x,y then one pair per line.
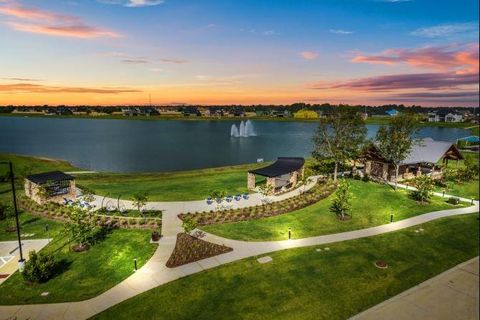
x,y
244,130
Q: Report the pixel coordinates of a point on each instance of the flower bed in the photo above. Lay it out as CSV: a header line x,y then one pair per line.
x,y
317,193
190,249
59,212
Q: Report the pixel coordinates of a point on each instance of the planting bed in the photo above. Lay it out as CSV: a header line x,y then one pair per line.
x,y
190,249
317,193
59,212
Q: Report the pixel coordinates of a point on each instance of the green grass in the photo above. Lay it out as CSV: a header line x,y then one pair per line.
x,y
305,284
470,189
86,274
24,165
371,206
172,186
30,224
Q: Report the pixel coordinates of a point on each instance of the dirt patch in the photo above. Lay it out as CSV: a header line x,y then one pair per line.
x,y
344,218
190,249
381,264
80,248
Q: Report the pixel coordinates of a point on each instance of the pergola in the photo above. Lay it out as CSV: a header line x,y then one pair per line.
x,y
58,186
282,175
423,159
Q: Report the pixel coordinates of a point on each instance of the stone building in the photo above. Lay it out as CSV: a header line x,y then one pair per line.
x,y
54,186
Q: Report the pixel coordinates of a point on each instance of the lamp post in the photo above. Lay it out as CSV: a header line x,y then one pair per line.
x,y
21,262
289,233
391,217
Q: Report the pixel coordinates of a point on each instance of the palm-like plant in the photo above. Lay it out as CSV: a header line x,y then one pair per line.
x,y
139,201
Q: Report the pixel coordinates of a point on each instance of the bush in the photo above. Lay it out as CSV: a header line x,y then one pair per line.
x,y
366,178
453,200
3,211
424,185
39,268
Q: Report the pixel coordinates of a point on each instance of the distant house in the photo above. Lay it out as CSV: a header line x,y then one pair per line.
x,y
237,112
136,111
214,112
422,160
444,116
281,114
392,112
191,111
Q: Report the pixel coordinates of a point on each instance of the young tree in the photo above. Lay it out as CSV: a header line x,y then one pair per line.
x,y
265,189
140,200
341,202
218,195
339,137
425,186
189,224
88,195
395,140
81,227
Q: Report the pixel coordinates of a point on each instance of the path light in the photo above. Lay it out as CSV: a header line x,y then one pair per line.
x,y
48,233
134,264
443,194
391,217
472,202
289,233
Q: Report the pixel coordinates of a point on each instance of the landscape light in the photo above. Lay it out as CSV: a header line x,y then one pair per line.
x,y
391,217
289,233
134,264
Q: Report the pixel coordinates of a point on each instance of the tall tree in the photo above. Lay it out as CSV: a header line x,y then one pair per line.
x,y
395,140
339,137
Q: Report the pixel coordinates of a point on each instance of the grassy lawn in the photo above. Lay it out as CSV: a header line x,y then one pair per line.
x,y
85,274
172,186
371,206
470,189
305,284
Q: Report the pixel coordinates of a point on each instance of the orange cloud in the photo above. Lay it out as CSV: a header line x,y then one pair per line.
x,y
50,23
460,59
309,55
36,88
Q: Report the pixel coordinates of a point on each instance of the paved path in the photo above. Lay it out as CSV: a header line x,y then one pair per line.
x,y
154,273
10,254
450,295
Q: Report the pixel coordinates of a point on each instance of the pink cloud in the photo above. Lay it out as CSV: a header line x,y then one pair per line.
x,y
309,55
459,59
50,23
445,80
36,88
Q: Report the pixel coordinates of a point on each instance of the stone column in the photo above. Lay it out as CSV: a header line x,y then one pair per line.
x,y
368,167
250,181
294,178
419,172
73,190
385,171
271,182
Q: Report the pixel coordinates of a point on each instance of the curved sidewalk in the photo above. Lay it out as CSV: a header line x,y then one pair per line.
x,y
154,273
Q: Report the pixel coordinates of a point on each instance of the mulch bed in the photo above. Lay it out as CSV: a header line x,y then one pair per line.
x,y
344,218
190,249
381,264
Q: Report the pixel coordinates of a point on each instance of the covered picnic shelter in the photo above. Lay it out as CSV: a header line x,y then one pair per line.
x,y
282,175
53,186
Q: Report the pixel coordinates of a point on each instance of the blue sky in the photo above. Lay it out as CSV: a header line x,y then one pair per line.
x,y
119,51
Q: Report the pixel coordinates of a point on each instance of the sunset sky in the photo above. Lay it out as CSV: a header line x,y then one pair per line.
x,y
110,52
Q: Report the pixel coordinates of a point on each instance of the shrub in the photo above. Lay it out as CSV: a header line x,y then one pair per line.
x,y
39,268
3,211
341,203
189,224
424,185
366,178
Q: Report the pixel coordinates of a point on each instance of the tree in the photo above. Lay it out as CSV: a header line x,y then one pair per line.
x,y
81,227
341,202
339,137
395,140
88,195
424,185
140,200
218,195
189,224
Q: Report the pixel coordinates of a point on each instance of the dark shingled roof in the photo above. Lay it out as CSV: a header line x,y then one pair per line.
x,y
282,166
42,178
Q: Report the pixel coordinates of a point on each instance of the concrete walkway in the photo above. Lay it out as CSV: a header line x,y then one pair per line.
x,y
10,254
450,295
154,273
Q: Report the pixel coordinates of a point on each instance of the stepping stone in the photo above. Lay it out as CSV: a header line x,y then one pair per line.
x,y
318,250
44,294
265,259
416,231
327,248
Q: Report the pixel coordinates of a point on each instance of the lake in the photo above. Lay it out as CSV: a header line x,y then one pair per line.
x,y
147,146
